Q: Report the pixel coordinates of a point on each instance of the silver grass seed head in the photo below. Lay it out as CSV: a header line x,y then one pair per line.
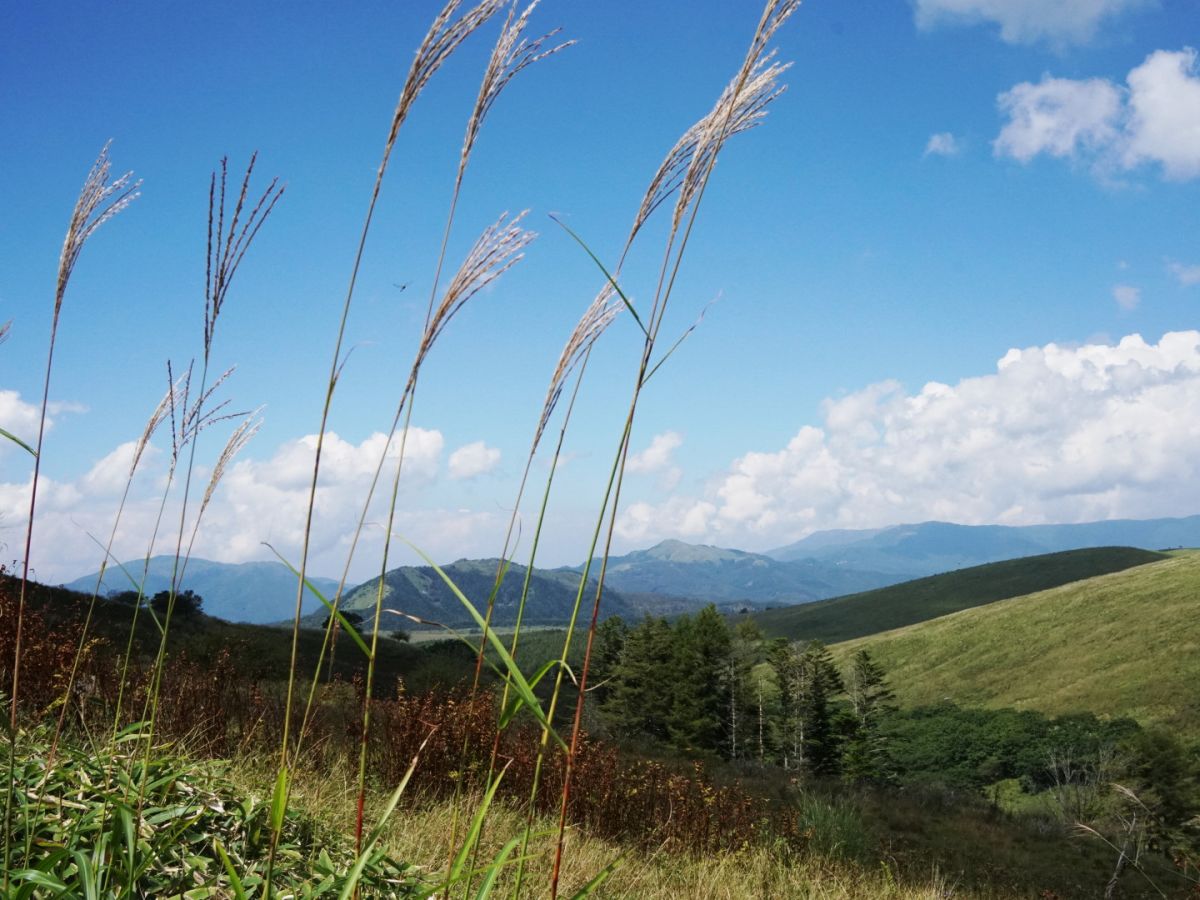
x,y
443,38
227,246
241,436
99,200
497,250
594,321
165,406
510,55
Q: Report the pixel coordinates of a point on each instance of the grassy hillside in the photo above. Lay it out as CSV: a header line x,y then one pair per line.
x,y
1127,643
859,615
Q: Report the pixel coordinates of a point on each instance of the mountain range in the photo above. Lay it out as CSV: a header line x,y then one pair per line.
x,y
670,578
256,592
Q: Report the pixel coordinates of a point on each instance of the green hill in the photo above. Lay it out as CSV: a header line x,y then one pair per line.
x,y
1127,643
859,615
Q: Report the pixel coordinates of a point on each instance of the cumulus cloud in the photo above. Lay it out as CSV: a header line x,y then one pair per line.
x,y
1026,21
21,419
1127,296
1153,120
942,144
474,459
1056,434
258,500
1184,274
658,458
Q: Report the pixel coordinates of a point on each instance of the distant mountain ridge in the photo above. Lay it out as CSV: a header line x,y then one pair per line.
x,y
419,591
672,577
928,548
720,575
255,592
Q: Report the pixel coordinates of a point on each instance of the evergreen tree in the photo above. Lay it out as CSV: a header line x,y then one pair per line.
x,y
702,653
865,757
745,652
808,683
606,657
642,688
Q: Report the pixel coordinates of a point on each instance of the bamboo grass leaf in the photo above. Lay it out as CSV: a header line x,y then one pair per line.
x,y
520,685
238,890
279,801
611,280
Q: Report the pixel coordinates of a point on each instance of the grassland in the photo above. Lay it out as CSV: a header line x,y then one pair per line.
x,y
870,612
1127,643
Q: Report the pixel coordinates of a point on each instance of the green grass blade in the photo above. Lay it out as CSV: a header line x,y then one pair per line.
x,y
346,626
473,833
517,679
493,871
368,846
598,879
279,801
236,883
20,443
611,280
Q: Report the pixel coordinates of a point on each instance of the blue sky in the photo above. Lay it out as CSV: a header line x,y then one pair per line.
x,y
944,181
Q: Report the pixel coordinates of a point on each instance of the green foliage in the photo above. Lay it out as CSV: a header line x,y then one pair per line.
x,y
78,831
872,612
702,691
183,603
971,748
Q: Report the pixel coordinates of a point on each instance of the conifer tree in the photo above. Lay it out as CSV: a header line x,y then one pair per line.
x,y
871,699
642,689
702,653
809,681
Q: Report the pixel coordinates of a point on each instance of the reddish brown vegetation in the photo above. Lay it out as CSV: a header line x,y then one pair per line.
x,y
214,709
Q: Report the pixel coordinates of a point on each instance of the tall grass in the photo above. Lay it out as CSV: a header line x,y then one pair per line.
x,y
528,753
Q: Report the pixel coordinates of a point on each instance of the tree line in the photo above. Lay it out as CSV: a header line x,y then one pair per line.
x,y
699,685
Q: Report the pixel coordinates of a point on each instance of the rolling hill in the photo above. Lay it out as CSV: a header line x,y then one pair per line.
x,y
1127,643
870,612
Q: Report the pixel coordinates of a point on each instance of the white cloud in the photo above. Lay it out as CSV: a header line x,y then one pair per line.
x,y
1155,120
1127,296
1026,21
942,144
474,459
1056,434
21,420
258,500
1185,275
1058,116
658,458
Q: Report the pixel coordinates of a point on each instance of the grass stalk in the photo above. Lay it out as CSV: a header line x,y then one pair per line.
x,y
98,201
